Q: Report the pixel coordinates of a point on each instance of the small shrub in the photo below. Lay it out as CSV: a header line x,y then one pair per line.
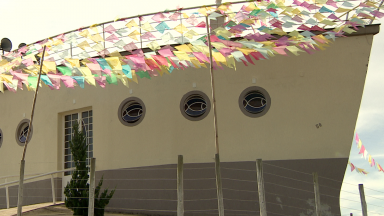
x,y
77,190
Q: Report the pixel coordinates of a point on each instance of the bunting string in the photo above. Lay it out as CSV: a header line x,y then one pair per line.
x,y
177,39
364,153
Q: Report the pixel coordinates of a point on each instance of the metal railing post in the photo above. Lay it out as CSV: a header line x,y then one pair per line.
x,y
91,206
53,190
180,188
260,187
7,194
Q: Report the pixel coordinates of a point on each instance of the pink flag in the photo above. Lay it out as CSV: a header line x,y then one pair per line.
x,y
357,139
27,62
131,46
110,29
175,16
55,79
159,17
112,38
201,57
352,167
166,52
95,68
107,71
101,81
161,60
332,3
362,150
201,24
68,81
147,35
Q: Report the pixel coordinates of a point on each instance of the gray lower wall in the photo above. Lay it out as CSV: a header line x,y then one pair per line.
x,y
152,190
284,195
34,192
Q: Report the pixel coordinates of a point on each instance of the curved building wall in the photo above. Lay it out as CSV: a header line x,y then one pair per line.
x,y
325,87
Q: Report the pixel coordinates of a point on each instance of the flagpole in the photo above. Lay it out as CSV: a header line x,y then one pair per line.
x,y
22,164
212,87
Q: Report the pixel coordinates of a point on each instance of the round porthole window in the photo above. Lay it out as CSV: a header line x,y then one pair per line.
x,y
131,111
254,101
22,131
195,105
1,137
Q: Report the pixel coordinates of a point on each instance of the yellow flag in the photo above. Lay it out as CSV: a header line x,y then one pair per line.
x,y
153,45
85,34
147,27
114,62
94,28
294,50
182,55
90,80
83,44
116,54
134,34
319,16
231,62
219,57
49,66
33,72
6,78
184,48
96,38
181,28
134,76
73,62
86,71
218,45
98,47
342,10
296,11
131,24
1,87
190,34
245,51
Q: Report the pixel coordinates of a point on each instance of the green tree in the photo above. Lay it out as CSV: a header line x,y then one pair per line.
x,y
77,190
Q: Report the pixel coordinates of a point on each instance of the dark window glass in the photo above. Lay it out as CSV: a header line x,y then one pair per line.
x,y
84,114
23,133
254,102
132,113
195,106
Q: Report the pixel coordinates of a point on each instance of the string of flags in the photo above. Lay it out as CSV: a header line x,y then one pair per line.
x,y
358,170
364,153
178,40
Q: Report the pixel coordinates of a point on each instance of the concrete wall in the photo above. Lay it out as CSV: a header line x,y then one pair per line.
x,y
325,87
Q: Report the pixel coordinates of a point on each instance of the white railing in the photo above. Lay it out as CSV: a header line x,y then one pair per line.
x,y
34,176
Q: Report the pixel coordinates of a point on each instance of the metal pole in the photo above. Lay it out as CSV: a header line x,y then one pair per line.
x,y
220,200
317,193
141,41
21,187
180,187
7,194
91,205
104,36
53,190
362,198
260,186
213,88
22,164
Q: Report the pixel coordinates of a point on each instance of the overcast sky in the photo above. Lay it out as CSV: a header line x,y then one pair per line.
x,y
30,21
